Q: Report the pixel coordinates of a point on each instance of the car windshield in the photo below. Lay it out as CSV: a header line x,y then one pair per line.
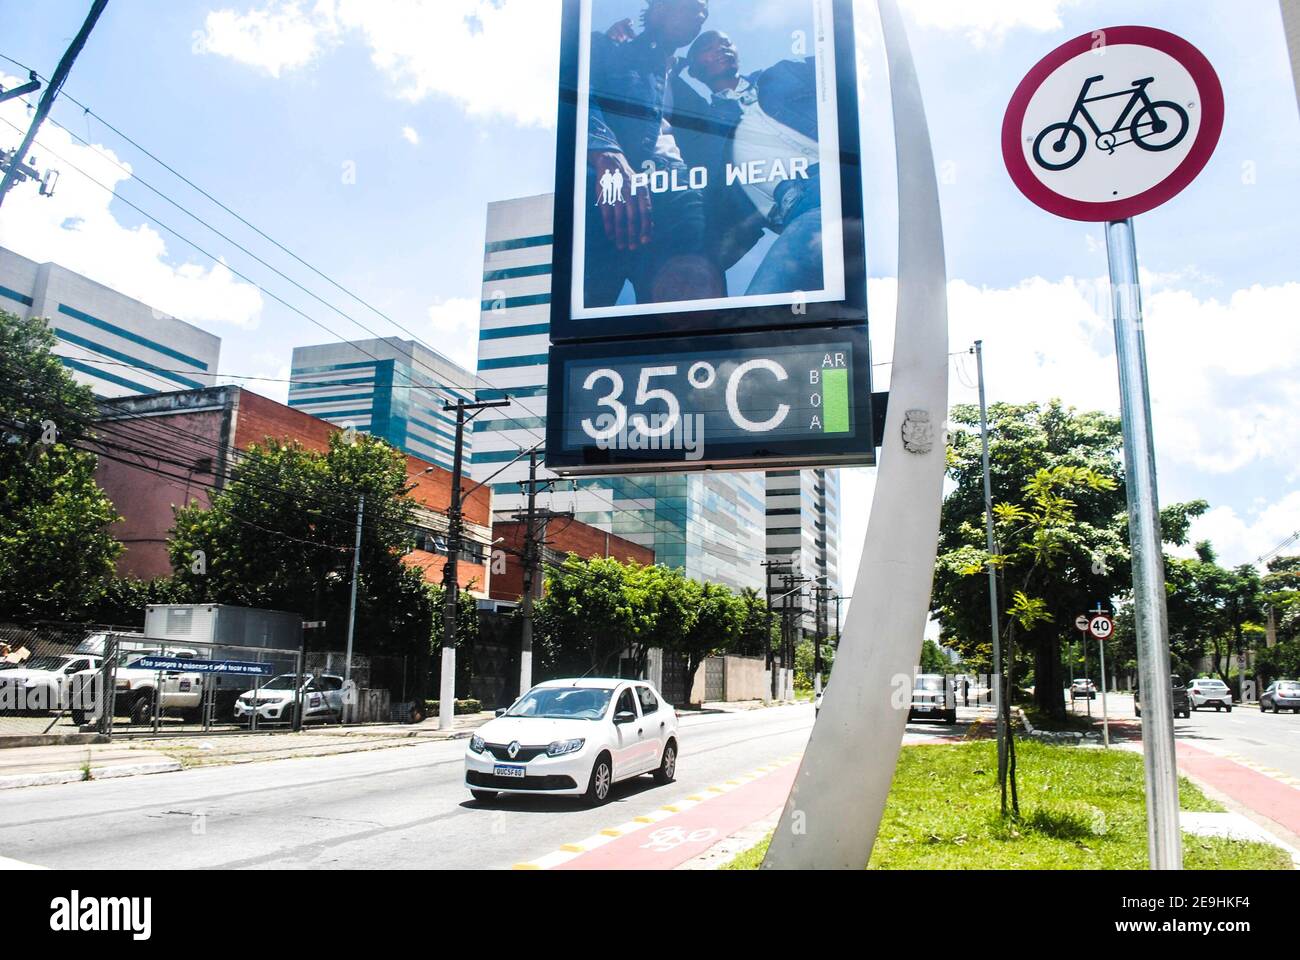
x,y
563,703
929,683
285,681
1291,687
1212,683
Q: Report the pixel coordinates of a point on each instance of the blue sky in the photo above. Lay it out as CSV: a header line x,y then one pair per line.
x,y
369,137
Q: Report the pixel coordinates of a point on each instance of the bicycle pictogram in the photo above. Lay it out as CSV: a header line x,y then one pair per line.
x,y
1154,126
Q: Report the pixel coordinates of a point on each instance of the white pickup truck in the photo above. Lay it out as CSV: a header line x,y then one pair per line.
x,y
138,691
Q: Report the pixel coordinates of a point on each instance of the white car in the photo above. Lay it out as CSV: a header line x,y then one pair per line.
x,y
574,738
1081,688
322,699
1209,693
42,683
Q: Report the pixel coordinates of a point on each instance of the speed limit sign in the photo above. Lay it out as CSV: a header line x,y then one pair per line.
x,y
1101,627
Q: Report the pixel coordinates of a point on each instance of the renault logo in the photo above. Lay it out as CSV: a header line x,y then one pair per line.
x,y
513,749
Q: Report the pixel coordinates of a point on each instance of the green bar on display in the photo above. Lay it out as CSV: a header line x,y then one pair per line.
x,y
835,401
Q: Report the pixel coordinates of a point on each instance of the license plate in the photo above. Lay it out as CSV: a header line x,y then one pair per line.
x,y
922,708
185,686
515,772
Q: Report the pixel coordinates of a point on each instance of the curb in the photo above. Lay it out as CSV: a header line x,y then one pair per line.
x,y
50,740
96,773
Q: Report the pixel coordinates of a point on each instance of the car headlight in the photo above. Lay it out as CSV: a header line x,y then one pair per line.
x,y
561,747
476,743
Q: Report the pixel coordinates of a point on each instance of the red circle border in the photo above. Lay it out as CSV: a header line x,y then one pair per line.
x,y
1207,140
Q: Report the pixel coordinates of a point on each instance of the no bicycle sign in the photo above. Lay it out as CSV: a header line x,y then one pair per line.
x,y
1113,124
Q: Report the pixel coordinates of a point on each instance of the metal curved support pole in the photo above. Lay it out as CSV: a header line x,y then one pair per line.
x,y
833,812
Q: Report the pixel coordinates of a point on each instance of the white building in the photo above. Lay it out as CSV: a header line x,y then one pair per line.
x,y
803,530
116,345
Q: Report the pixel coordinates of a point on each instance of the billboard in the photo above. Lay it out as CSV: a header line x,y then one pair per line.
x,y
750,400
708,171
708,304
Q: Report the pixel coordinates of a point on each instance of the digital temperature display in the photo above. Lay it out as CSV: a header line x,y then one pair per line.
x,y
744,401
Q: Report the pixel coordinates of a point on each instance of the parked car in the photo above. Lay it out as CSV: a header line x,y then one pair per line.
x,y
932,699
139,691
1206,692
1281,695
574,738
1181,704
276,700
42,683
1083,689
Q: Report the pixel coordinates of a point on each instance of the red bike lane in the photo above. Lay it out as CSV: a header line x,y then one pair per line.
x,y
1270,798
672,841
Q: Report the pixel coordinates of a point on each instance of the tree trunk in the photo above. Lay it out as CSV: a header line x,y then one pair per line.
x,y
1048,695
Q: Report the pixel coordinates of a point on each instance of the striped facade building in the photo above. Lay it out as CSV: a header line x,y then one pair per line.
x,y
118,346
389,388
803,528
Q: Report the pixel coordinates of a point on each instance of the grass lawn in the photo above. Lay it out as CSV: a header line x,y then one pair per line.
x,y
1080,809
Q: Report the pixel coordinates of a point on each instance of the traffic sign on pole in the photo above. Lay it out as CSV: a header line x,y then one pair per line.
x,y
1112,124
1081,622
1101,627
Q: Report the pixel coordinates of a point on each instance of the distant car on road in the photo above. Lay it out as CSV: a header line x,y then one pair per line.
x,y
932,699
277,699
1281,695
1182,706
1083,689
574,738
1207,692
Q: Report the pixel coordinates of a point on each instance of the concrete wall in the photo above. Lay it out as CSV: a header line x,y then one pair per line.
x,y
742,679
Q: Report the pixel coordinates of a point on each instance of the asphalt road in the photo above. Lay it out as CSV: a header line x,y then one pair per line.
x,y
1266,738
404,807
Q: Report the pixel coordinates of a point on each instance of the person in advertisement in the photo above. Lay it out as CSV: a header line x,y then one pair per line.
x,y
707,180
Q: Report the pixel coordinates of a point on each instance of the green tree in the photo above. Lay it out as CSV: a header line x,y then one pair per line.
x,y
759,632
280,535
591,612
1061,525
715,627
933,659
56,552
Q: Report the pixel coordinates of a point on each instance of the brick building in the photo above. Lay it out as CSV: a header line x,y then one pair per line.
x,y
563,537
164,450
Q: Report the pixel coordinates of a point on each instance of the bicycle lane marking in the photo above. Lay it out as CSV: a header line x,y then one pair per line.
x,y
1265,795
677,832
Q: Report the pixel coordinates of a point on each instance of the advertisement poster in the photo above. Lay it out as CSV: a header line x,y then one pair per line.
x,y
709,176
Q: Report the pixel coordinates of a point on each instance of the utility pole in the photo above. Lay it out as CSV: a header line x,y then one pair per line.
x,y
991,544
770,567
450,572
793,585
536,522
352,607
12,171
819,635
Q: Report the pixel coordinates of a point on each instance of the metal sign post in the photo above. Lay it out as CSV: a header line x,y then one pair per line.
x,y
1060,156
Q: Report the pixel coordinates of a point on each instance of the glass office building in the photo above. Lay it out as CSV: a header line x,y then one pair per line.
x,y
390,388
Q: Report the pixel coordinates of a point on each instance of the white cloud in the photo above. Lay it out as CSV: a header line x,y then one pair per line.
x,y
1239,539
411,136
455,325
1223,403
985,21
275,39
77,229
495,58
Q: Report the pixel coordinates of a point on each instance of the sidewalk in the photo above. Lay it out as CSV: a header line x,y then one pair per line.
x,y
41,765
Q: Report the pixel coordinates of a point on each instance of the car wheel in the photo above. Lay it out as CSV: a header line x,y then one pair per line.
x,y
483,796
287,715
1194,707
1261,709
951,717
142,709
1229,709
601,784
78,717
668,765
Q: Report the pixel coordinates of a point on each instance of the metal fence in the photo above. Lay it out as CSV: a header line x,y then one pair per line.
x,y
62,679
